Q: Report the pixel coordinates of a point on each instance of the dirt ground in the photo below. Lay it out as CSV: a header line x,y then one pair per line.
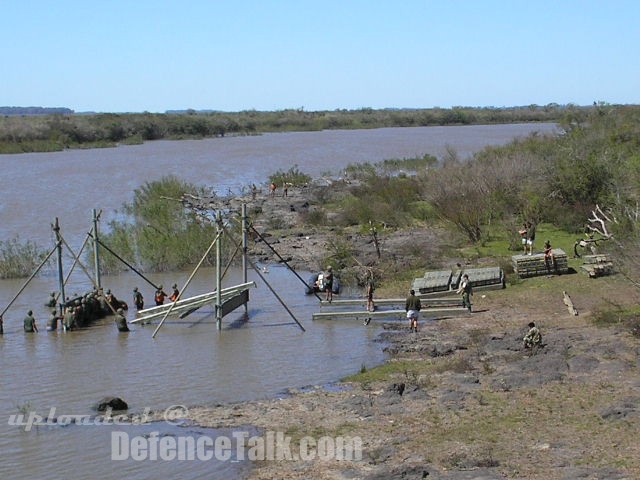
x,y
463,399
474,404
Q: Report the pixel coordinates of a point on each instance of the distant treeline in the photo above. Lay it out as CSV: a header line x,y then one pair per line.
x,y
61,131
35,111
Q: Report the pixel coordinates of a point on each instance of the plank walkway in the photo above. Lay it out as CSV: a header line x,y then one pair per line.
x,y
435,312
426,301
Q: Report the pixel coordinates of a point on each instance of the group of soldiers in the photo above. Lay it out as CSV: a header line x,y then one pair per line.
x,y
79,311
83,309
159,296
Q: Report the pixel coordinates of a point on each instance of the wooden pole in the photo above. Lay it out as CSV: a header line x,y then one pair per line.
x,y
78,262
96,248
310,287
219,272
125,262
24,285
75,261
244,249
215,242
257,270
56,229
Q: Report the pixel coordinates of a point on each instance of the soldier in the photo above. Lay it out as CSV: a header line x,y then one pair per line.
x,y
138,299
549,258
370,288
121,322
78,314
533,338
69,321
412,307
30,323
52,300
111,300
52,323
104,309
466,291
175,294
328,283
531,236
160,296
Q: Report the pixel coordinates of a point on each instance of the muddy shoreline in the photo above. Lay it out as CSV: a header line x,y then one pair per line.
x,y
462,398
476,405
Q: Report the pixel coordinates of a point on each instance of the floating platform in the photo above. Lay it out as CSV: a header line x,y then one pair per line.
x,y
533,265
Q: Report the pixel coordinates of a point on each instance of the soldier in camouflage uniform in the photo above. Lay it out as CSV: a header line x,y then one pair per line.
x,y
30,323
52,323
533,338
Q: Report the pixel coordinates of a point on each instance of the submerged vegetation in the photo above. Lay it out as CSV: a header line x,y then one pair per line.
x,y
160,234
56,132
19,258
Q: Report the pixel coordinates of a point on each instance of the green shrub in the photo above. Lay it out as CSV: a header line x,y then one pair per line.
x,y
19,258
160,234
314,216
293,176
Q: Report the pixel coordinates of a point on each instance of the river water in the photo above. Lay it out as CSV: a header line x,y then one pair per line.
x,y
189,362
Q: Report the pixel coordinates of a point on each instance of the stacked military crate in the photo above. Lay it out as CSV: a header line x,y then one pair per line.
x,y
533,265
431,282
448,280
483,277
597,265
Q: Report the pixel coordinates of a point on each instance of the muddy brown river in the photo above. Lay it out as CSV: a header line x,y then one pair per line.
x,y
189,362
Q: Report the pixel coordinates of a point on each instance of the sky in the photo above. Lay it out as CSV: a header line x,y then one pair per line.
x,y
234,55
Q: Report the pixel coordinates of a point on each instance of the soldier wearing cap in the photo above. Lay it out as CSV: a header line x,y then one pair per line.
x,y
175,294
30,323
160,296
138,299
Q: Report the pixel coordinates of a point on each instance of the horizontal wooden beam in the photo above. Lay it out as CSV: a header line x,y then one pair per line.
x,y
426,301
426,313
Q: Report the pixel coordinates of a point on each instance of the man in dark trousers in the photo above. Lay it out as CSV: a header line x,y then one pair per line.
x,y
466,291
138,299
